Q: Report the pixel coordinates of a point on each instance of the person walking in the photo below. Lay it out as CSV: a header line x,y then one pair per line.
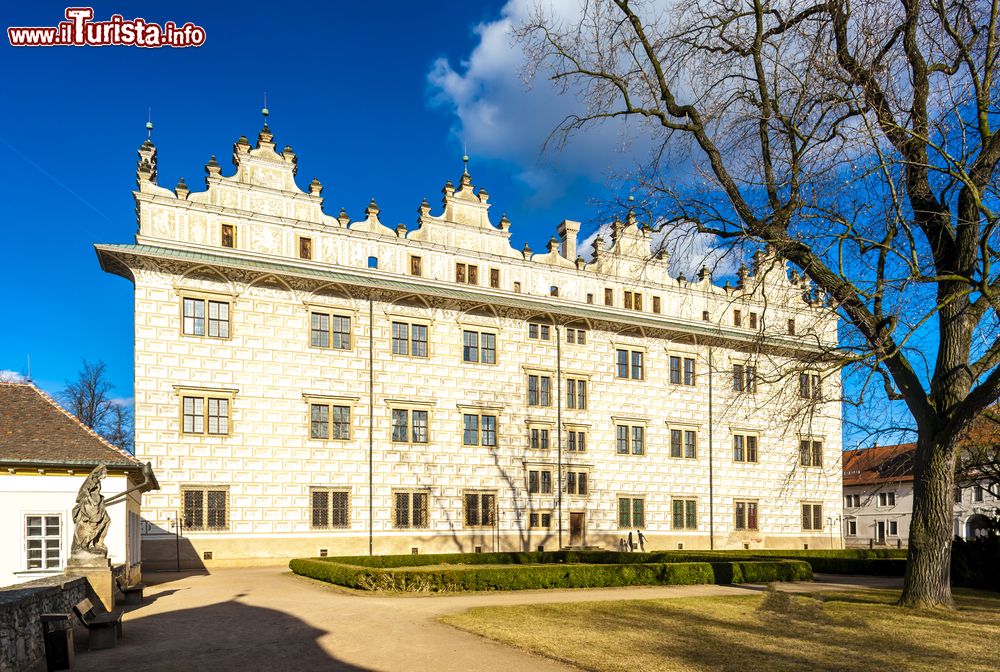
x,y
642,541
631,546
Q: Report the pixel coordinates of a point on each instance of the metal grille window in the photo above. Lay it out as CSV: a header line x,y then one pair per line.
x,y
195,318
745,515
410,509
201,413
631,512
576,393
206,509
43,541
576,482
684,443
744,378
744,448
685,514
539,482
330,508
577,441
810,453
539,390
812,517
480,509
539,438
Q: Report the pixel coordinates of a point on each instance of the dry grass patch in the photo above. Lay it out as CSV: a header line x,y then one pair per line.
x,y
830,631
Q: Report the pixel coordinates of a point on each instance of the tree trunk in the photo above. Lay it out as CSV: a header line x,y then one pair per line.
x,y
928,566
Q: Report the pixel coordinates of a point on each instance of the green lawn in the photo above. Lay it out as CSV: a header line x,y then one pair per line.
x,y
830,631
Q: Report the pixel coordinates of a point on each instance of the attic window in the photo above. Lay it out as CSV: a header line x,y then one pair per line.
x,y
305,248
372,262
517,287
704,316
495,278
415,268
553,290
791,326
753,320
228,235
590,298
656,305
609,297
737,318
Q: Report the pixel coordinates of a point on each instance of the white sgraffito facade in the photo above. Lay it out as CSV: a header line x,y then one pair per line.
x,y
259,355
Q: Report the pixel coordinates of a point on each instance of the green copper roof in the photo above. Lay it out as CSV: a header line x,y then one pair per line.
x,y
704,331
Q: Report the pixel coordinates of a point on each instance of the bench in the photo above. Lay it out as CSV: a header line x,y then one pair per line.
x,y
132,594
104,627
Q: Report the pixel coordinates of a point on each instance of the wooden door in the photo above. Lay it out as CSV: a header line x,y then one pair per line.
x,y
577,529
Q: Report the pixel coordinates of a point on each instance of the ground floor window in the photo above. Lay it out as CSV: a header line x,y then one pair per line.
x,y
685,514
43,537
540,519
746,515
631,512
851,527
410,509
206,508
812,517
330,508
480,509
576,482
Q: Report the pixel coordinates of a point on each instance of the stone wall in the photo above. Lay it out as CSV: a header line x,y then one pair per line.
x,y
21,606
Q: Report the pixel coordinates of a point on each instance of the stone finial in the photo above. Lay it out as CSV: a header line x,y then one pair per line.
x,y
243,141
681,278
265,137
181,189
401,230
526,252
705,274
630,218
424,209
794,277
145,170
448,189
581,263
372,209
553,245
343,218
727,287
741,275
758,261
484,195
212,168
504,222
315,187
599,246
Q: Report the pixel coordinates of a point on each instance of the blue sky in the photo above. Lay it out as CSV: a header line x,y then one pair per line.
x,y
377,99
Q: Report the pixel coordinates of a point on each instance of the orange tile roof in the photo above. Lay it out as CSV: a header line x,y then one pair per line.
x,y
879,464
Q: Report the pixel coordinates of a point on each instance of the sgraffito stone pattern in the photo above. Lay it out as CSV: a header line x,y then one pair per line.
x,y
21,607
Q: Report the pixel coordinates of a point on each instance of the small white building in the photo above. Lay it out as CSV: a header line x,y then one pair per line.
x,y
878,499
45,455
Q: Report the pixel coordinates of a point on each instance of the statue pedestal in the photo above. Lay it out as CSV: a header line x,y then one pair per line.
x,y
97,570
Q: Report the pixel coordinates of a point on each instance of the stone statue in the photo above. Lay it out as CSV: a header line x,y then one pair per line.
x,y
91,517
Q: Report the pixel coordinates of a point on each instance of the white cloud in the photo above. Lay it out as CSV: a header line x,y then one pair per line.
x,y
9,376
128,402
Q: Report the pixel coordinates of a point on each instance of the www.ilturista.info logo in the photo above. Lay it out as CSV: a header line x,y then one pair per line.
x,y
79,30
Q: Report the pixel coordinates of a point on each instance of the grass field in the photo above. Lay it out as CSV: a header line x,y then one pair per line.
x,y
756,633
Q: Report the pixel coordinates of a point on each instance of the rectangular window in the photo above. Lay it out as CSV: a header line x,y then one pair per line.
x,y
330,508
737,318
409,426
744,448
539,332
576,393
791,326
637,301
812,517
810,453
409,339
609,297
329,331
745,515
852,527
415,266
228,235
576,441
809,386
685,514
705,317
576,482
745,378
958,495
480,509
627,300
479,430
684,443
200,413
195,318
479,347
329,422
495,278
977,494
205,509
305,248
629,364
540,519
539,438
319,326
887,499
631,512
590,298
517,287
539,482
460,276
853,501
473,275
630,439
539,390
466,274
893,528
43,541
656,305
410,510
681,370
576,336
553,290
319,421
753,320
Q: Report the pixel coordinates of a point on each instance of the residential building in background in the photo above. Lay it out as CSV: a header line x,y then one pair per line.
x,y
308,384
45,455
878,499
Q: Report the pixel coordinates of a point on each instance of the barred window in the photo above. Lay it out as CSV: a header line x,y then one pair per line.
x,y
205,509
685,514
410,510
199,413
812,517
43,541
480,509
330,508
631,512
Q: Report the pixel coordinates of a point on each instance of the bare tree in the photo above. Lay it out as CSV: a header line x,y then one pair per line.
x,y
979,454
118,427
854,139
89,396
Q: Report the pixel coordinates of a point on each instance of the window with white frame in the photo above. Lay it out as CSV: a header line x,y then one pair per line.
x,y
684,443
851,527
330,508
852,501
409,339
744,447
43,541
887,499
409,425
479,429
206,317
892,528
479,347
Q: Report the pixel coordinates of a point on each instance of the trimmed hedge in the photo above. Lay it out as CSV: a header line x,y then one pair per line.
x,y
521,577
868,566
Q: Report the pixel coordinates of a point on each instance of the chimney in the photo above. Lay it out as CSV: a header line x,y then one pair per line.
x,y
567,234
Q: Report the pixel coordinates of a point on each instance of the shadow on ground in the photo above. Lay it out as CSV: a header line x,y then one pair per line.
x,y
188,639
